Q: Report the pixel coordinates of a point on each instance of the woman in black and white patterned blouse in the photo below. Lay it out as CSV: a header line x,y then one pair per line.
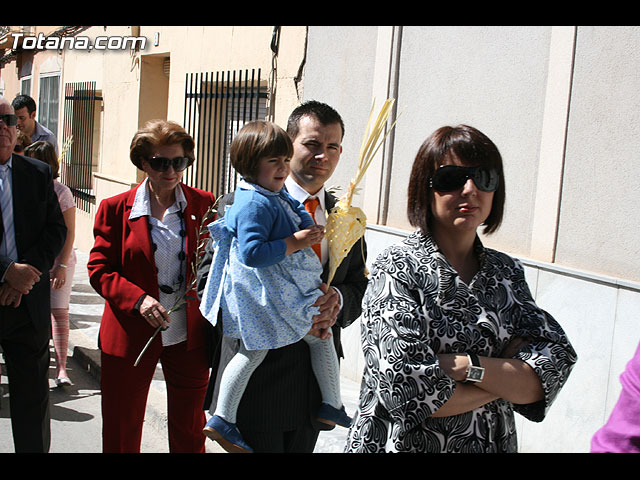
x,y
453,341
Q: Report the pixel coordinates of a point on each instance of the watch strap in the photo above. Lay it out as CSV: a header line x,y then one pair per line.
x,y
474,360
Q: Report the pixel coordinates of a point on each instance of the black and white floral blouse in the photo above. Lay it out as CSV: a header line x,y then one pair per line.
x,y
416,307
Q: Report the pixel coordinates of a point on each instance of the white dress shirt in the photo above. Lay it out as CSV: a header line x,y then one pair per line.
x,y
300,194
165,234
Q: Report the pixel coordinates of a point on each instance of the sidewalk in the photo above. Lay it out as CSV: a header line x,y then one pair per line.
x,y
85,312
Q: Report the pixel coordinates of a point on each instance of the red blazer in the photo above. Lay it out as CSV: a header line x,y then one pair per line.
x,y
122,268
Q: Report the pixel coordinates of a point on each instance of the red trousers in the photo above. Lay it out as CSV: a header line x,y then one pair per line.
x,y
124,399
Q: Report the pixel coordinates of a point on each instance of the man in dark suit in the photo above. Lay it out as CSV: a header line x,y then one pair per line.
x,y
277,410
32,233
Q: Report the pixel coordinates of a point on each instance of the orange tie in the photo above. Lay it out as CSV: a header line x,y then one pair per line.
x,y
310,205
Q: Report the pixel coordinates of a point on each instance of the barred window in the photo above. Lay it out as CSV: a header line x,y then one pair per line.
x,y
217,105
81,136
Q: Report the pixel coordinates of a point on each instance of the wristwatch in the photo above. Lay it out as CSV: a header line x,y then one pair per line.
x,y
475,372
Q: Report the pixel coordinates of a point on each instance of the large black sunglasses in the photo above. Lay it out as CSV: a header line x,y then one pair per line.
x,y
9,119
162,164
453,177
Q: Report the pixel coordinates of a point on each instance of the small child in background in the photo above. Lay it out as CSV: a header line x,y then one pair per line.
x,y
265,279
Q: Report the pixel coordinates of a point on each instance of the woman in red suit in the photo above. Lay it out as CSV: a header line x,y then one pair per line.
x,y
140,263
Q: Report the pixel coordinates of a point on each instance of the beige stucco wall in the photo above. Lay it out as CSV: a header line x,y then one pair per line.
x,y
560,102
135,89
492,78
598,220
341,74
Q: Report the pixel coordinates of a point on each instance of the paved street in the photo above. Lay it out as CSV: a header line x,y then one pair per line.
x,y
75,417
75,411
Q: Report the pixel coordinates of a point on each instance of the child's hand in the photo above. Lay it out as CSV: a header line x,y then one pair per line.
x,y
310,236
304,238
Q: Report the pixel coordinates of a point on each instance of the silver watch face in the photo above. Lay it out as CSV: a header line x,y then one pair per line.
x,y
475,374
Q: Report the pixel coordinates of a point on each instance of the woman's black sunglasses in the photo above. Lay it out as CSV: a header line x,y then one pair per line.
x,y
162,164
452,177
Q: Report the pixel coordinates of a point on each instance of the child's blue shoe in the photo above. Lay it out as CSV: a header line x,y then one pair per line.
x,y
226,434
331,416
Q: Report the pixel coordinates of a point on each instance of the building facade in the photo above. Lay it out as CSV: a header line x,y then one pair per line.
x,y
560,103
111,80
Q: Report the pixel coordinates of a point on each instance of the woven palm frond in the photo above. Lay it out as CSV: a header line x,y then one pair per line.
x,y
346,224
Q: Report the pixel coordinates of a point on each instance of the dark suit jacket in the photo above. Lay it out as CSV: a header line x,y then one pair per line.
x,y
122,268
283,393
40,231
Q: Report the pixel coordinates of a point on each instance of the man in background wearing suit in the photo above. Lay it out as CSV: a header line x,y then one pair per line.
x,y
32,233
277,411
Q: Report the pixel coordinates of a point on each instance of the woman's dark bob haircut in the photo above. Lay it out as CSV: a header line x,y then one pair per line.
x,y
472,148
256,140
157,133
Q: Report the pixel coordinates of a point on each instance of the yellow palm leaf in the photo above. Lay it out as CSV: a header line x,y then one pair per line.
x,y
65,148
346,224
